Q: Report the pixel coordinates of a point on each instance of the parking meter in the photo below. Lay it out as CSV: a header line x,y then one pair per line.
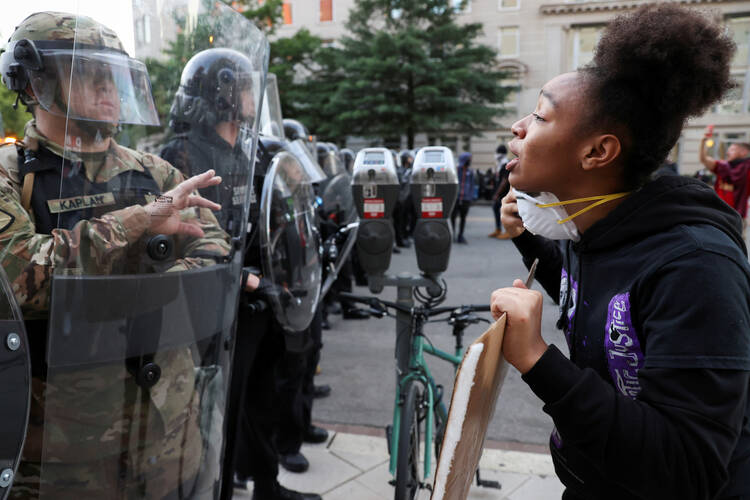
x,y
434,187
375,188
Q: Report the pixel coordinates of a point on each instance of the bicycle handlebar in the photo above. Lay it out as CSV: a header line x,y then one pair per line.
x,y
375,302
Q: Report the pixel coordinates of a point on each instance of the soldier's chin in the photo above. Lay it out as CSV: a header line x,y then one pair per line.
x,y
97,130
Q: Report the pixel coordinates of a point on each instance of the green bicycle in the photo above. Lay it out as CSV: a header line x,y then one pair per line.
x,y
419,407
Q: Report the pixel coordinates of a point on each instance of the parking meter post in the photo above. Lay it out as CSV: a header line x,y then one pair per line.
x,y
405,297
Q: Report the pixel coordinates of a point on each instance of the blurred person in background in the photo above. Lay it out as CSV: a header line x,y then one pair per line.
x,y
466,194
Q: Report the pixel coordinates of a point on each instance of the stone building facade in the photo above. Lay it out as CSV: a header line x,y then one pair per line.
x,y
537,40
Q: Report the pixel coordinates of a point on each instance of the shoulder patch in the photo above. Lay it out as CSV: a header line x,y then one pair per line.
x,y
6,220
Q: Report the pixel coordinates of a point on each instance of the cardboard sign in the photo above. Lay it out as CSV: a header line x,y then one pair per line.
x,y
374,208
432,208
478,382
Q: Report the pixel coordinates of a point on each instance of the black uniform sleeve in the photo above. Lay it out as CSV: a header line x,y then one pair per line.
x,y
679,433
548,252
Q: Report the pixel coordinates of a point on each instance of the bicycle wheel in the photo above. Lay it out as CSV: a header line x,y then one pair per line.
x,y
407,465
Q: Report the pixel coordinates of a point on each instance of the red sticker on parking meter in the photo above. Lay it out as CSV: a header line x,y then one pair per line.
x,y
432,208
374,208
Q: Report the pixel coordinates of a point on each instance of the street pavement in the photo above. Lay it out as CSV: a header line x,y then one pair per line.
x,y
358,356
358,362
355,467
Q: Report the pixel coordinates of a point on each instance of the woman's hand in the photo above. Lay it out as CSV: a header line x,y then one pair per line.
x,y
523,344
165,211
509,215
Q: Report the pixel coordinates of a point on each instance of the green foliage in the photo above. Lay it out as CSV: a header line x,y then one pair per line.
x,y
292,59
266,16
13,120
406,67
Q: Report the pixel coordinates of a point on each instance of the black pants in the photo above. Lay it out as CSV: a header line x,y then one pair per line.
x,y
251,414
461,210
296,390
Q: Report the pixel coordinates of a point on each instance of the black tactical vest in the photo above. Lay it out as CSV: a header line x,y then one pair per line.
x,y
63,195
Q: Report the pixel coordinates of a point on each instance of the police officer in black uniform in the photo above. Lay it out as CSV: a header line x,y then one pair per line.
x,y
212,106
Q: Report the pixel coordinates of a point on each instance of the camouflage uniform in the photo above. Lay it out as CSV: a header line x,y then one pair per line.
x,y
82,456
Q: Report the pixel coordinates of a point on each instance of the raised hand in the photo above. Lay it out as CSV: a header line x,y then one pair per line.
x,y
509,215
165,211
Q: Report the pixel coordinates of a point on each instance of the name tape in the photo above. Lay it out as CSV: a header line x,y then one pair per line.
x,y
80,202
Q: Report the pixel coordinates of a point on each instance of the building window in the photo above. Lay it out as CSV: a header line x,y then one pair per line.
x,y
509,4
737,100
286,9
583,41
139,35
513,85
508,42
146,29
740,29
326,10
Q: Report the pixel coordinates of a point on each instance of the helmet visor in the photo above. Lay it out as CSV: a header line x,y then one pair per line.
x,y
94,85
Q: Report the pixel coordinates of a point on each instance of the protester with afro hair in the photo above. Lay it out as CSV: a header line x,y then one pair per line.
x,y
652,280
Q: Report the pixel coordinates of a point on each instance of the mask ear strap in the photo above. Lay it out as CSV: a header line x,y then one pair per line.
x,y
599,201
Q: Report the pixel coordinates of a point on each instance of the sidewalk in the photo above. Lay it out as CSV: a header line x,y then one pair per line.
x,y
355,467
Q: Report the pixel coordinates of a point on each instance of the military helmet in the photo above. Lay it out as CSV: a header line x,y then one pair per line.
x,y
348,156
323,150
52,51
211,89
294,129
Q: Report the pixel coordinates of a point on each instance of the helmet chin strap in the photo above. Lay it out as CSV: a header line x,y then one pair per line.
x,y
96,130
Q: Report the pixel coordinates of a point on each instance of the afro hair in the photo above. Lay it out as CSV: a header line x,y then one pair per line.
x,y
652,70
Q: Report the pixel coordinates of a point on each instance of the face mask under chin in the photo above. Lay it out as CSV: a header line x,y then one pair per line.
x,y
543,214
544,221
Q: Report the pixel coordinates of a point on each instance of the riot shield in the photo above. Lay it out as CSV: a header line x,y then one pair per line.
x,y
290,242
146,261
338,206
271,123
16,394
306,159
332,164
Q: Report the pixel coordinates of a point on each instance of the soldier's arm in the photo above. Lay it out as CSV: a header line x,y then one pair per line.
x,y
29,258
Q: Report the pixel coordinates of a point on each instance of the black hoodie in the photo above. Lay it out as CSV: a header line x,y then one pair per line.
x,y
655,307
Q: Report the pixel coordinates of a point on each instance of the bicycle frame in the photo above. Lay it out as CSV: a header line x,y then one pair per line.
x,y
411,363
418,369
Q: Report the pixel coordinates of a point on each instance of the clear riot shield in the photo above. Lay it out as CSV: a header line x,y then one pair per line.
x,y
271,123
332,165
338,206
146,270
290,242
16,392
307,160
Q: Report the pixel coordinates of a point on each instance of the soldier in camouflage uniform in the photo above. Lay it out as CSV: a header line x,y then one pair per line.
x,y
123,199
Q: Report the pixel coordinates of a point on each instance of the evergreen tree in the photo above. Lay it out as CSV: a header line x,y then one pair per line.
x,y
408,67
293,60
12,119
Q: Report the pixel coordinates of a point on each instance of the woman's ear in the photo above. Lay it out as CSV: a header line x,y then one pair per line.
x,y
601,151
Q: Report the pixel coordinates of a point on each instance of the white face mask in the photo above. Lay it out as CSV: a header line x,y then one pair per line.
x,y
544,221
544,214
